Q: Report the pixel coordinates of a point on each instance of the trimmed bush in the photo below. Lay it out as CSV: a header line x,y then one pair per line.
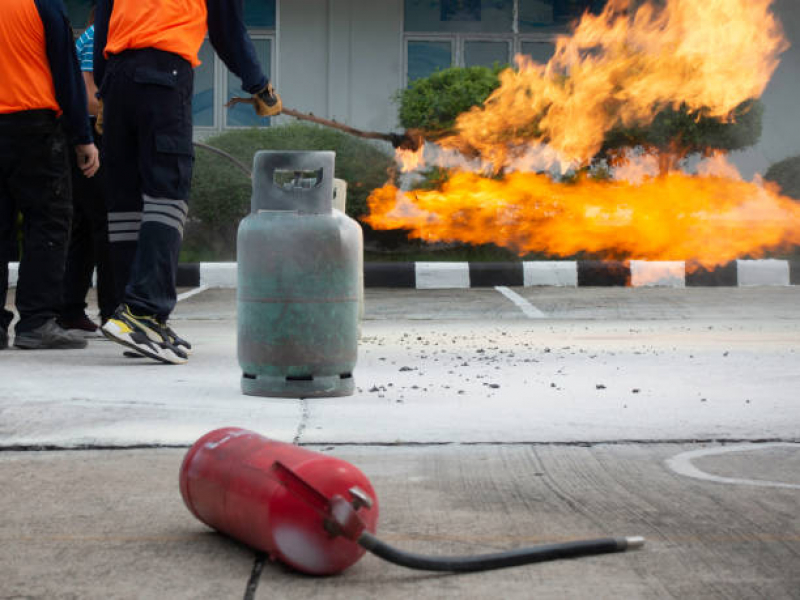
x,y
786,174
432,103
221,192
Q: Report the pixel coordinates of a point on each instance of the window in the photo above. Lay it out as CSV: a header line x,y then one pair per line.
x,y
426,56
214,85
444,33
78,13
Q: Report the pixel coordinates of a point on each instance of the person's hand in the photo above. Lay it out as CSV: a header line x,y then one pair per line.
x,y
267,102
88,159
98,123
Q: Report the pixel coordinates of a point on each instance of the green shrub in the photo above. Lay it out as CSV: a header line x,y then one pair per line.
x,y
221,192
432,103
786,174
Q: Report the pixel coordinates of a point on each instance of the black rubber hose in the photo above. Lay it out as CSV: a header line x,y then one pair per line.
x,y
500,560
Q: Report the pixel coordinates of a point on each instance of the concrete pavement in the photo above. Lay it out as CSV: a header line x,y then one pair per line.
x,y
483,423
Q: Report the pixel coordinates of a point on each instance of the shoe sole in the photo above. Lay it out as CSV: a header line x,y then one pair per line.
x,y
109,330
39,345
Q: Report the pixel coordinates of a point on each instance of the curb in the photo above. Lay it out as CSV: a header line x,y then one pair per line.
x,y
581,273
459,275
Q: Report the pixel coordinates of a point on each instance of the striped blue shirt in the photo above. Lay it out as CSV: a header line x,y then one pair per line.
x,y
85,48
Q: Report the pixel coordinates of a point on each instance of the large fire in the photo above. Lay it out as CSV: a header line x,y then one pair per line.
x,y
618,68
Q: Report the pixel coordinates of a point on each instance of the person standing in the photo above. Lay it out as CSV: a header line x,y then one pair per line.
x,y
41,89
88,244
145,52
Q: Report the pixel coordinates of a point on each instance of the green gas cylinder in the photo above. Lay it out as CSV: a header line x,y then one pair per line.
x,y
298,281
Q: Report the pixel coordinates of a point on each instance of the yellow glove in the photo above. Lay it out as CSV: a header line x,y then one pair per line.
x,y
267,102
98,124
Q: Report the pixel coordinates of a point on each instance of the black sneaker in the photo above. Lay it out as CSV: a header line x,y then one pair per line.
x,y
50,336
175,339
143,334
83,325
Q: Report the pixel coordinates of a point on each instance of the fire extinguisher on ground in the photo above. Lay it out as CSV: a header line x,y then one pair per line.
x,y
316,513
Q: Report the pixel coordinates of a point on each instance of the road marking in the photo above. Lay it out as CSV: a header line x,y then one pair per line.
x,y
682,465
526,307
190,293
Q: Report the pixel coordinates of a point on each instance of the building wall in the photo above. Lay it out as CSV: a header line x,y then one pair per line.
x,y
341,59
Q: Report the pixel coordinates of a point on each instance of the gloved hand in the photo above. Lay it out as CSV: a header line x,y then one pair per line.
x,y
267,102
98,124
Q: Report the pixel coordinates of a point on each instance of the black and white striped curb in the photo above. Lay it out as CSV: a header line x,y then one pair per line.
x,y
449,275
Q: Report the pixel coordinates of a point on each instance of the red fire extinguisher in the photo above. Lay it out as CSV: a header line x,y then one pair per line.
x,y
318,513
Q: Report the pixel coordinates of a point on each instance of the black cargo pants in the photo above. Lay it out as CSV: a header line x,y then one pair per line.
x,y
147,156
88,245
34,181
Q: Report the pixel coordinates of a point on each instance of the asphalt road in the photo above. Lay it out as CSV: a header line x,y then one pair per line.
x,y
486,419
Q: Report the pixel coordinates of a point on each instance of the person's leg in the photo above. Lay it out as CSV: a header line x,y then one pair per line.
x,y
166,158
120,180
96,212
146,83
80,256
8,252
40,185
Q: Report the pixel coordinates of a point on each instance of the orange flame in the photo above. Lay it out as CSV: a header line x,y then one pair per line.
x,y
675,217
620,67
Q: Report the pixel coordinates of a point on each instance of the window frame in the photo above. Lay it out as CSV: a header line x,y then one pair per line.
x,y
514,38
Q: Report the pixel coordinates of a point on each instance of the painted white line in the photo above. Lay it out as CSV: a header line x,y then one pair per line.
x,y
553,272
194,292
221,275
762,272
658,273
441,275
682,465
526,307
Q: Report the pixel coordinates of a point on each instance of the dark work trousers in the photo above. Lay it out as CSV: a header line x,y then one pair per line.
x,y
88,246
35,181
147,157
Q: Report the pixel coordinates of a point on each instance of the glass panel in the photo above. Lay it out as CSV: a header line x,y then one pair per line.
x,y
426,57
259,13
535,14
78,12
203,99
479,16
541,52
485,54
243,115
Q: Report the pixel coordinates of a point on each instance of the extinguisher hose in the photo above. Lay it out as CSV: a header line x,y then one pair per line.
x,y
499,560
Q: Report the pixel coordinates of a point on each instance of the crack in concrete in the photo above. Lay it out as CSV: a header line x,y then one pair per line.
x,y
255,576
302,426
305,415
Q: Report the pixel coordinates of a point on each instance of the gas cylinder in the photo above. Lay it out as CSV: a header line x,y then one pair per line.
x,y
298,281
276,497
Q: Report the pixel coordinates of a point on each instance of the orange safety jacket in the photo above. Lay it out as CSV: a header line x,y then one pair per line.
x,y
177,26
26,82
